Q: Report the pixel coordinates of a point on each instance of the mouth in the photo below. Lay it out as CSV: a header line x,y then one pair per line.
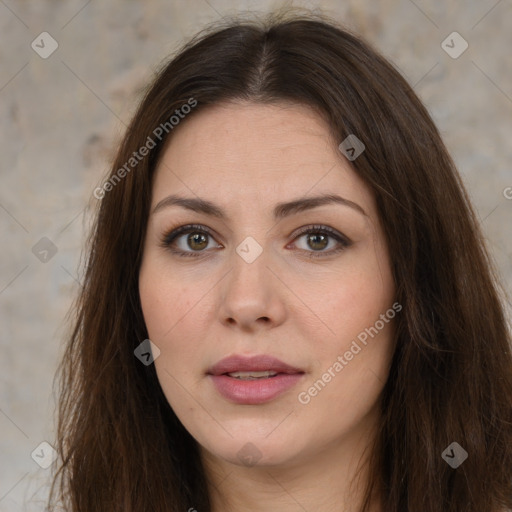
x,y
253,380
252,375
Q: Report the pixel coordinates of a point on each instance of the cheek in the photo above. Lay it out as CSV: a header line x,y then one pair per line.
x,y
351,311
165,304
352,366
174,318
354,299
177,318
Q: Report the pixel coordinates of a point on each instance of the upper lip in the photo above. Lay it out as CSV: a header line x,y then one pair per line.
x,y
257,363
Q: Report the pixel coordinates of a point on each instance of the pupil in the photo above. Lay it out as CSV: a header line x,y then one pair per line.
x,y
315,239
194,238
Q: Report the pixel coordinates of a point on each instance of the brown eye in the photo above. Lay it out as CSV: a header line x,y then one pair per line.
x,y
317,242
197,241
318,238
195,244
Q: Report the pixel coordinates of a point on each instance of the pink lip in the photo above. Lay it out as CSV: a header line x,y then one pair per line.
x,y
253,392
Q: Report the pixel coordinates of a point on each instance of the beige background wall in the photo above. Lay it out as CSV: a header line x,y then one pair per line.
x,y
60,116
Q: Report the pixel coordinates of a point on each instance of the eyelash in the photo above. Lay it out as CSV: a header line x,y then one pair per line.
x,y
171,236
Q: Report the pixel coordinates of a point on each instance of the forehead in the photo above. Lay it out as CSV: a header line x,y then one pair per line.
x,y
246,152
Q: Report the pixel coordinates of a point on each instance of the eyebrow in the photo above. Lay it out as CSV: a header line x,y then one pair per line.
x,y
281,210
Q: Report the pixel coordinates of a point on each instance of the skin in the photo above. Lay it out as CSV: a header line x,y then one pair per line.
x,y
247,157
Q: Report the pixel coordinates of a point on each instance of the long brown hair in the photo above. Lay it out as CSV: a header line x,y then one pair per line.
x,y
121,445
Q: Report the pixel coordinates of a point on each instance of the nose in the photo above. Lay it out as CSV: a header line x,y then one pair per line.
x,y
252,296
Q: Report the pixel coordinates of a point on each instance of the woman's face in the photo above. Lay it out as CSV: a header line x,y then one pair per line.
x,y
306,317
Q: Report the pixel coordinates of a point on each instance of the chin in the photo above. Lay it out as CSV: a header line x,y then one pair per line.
x,y
253,450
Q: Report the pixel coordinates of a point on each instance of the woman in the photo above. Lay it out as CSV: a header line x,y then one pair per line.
x,y
287,302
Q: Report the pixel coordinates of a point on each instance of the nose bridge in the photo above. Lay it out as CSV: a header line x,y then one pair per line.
x,y
249,291
249,263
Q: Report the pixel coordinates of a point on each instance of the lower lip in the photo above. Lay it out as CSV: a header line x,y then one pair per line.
x,y
256,391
